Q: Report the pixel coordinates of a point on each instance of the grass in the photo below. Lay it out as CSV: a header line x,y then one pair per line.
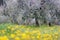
x,y
10,31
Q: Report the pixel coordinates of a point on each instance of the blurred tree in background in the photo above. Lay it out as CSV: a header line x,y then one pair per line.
x,y
30,12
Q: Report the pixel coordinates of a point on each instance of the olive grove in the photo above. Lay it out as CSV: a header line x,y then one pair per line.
x,y
30,12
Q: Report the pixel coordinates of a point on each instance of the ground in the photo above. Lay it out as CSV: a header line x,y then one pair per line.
x,y
23,32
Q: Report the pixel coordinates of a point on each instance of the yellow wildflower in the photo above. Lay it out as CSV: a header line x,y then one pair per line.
x,y
38,37
56,35
12,29
45,35
4,38
23,35
12,35
3,31
17,38
16,26
9,27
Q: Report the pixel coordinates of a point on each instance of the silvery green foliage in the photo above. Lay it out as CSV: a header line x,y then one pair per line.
x,y
1,10
22,11
4,19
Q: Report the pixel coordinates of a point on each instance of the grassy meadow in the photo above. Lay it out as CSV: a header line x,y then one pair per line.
x,y
22,32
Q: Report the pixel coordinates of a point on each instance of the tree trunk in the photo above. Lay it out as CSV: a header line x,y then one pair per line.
x,y
50,24
36,19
